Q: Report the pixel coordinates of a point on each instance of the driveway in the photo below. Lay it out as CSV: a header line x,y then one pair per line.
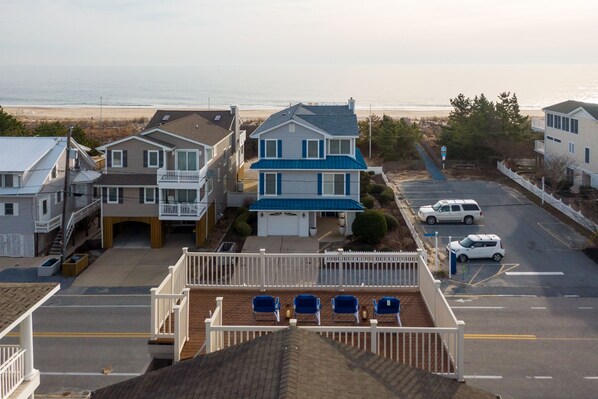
x,y
280,244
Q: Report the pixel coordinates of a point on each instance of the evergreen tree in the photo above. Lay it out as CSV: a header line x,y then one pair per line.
x,y
11,126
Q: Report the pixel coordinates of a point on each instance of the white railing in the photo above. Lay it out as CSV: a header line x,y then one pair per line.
x,y
538,124
86,211
328,270
181,324
181,176
539,146
423,348
566,209
48,225
12,369
183,209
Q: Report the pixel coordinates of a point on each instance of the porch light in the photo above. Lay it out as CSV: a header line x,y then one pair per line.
x,y
262,214
303,214
364,313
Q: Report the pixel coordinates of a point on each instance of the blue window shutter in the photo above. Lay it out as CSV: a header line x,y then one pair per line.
x,y
161,158
348,184
124,158
109,158
321,148
319,184
303,148
279,183
261,184
279,148
262,149
145,158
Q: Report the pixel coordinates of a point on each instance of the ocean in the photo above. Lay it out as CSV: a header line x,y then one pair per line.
x,y
270,86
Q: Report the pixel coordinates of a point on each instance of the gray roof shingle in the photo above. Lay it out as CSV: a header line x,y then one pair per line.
x,y
290,363
226,117
570,105
17,298
127,179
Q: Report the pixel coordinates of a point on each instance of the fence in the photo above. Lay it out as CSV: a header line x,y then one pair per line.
x,y
181,324
336,269
423,348
574,215
12,369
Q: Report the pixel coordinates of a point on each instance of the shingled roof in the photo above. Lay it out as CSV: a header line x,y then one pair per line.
x,y
127,179
197,128
290,363
569,106
16,299
163,116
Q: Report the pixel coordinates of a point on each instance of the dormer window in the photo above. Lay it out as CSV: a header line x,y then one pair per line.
x,y
339,147
10,181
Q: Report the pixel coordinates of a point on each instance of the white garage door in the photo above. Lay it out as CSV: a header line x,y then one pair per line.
x,y
11,245
283,224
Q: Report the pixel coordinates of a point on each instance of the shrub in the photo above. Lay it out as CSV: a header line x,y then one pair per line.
x,y
368,201
242,217
370,226
241,210
386,196
391,222
242,228
365,182
377,188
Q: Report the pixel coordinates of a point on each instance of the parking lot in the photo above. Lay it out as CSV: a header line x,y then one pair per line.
x,y
541,251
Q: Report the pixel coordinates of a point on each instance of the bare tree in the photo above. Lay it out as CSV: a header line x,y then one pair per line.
x,y
555,168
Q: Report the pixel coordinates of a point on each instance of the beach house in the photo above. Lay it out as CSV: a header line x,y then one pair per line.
x,y
308,169
571,130
175,173
32,172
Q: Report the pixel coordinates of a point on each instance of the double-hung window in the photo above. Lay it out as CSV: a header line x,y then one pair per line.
x,y
587,155
565,123
557,122
271,149
572,148
9,209
112,195
150,195
152,159
313,147
339,147
117,159
550,120
333,184
270,184
574,126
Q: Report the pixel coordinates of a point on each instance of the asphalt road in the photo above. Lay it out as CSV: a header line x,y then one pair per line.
x,y
528,334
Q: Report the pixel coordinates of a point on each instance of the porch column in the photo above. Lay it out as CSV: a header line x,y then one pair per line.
x,y
26,342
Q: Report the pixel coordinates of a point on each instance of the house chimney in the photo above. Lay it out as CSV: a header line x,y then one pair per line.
x,y
351,104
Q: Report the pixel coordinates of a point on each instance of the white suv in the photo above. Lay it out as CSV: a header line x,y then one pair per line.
x,y
462,211
476,246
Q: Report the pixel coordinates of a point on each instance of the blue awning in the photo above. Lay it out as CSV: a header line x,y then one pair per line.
x,y
293,204
331,162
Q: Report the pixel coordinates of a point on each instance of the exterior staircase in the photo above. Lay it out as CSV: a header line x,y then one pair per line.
x,y
57,245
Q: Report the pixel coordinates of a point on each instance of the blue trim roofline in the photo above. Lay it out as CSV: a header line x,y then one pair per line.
x,y
331,162
308,204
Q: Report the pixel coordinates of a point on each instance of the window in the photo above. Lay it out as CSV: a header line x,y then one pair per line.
x,y
117,159
565,124
574,126
210,185
9,209
587,156
550,120
186,196
209,154
313,148
557,122
339,147
44,207
455,208
186,160
334,184
271,149
270,184
54,172
59,197
152,159
150,196
112,195
572,148
9,181
445,208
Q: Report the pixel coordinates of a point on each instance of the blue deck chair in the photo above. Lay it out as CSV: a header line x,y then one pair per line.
x,y
345,304
266,304
307,304
388,305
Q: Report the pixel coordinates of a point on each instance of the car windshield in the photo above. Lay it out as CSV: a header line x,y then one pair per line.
x,y
437,206
466,242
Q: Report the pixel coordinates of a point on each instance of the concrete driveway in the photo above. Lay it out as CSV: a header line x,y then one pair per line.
x,y
281,244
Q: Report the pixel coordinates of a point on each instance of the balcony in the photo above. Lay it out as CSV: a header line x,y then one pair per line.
x,y
539,146
182,211
12,369
47,226
538,125
430,338
181,178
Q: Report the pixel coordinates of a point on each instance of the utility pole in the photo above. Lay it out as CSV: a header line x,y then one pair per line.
x,y
370,131
65,192
101,132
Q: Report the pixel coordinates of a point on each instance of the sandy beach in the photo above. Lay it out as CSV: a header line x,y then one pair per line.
x,y
129,113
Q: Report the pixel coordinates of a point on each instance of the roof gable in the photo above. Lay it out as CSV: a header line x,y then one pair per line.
x,y
570,106
163,116
19,154
194,127
147,140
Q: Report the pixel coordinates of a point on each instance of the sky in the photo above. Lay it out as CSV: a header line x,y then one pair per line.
x,y
237,32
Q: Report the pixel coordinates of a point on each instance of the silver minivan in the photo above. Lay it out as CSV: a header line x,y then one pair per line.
x,y
457,211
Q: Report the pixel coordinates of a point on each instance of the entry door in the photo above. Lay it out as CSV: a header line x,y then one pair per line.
x,y
283,224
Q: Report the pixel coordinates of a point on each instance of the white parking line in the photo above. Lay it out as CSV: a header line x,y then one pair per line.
x,y
477,307
535,273
540,377
590,378
570,296
538,307
483,377
585,307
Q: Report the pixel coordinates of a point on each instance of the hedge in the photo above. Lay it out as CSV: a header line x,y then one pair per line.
x,y
368,201
370,226
391,222
386,196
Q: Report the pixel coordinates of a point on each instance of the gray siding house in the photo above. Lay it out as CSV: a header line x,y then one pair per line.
x,y
32,172
176,172
308,169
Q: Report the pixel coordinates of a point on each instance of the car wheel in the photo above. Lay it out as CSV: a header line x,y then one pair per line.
x,y
468,220
496,257
431,220
462,258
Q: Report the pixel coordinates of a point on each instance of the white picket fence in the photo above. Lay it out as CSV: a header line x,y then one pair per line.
x,y
566,209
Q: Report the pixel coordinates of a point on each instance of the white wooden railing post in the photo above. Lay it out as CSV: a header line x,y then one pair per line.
x,y
460,349
220,334
263,269
186,292
154,311
186,272
341,261
177,334
208,342
374,336
172,283
420,265
436,292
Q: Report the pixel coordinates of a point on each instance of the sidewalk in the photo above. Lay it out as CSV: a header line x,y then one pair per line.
x,y
431,167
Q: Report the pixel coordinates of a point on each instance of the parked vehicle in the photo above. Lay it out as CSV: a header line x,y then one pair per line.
x,y
476,246
463,211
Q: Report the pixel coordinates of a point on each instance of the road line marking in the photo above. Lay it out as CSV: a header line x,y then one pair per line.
x,y
90,374
497,274
96,306
500,337
590,378
476,273
585,307
567,339
534,273
554,235
540,377
538,307
477,307
488,296
486,377
570,296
